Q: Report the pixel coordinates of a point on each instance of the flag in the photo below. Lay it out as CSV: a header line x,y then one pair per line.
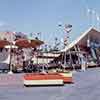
x,y
97,17
88,10
91,11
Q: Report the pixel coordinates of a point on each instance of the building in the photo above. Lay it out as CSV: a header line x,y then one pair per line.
x,y
84,51
11,57
44,57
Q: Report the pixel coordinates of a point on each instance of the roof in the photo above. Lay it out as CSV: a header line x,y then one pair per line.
x,y
10,36
82,39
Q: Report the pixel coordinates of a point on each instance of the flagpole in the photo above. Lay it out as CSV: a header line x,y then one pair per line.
x,y
93,17
90,17
98,20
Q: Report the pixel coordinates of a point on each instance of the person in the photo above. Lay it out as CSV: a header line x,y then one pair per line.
x,y
24,65
30,67
83,63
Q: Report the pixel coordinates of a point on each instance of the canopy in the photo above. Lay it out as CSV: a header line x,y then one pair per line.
x,y
3,43
36,43
25,43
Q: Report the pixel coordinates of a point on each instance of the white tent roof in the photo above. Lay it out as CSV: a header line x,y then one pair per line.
x,y
82,39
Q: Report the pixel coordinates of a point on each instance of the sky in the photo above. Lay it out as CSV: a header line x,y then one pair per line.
x,y
33,16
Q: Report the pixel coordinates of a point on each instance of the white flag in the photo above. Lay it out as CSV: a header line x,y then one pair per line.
x,y
88,10
97,17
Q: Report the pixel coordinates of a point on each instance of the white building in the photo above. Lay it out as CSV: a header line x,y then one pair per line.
x,y
86,48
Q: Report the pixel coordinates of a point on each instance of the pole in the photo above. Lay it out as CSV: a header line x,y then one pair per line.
x,y
10,64
77,47
98,20
64,61
70,57
93,16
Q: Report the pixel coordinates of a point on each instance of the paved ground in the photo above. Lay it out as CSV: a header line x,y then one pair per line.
x,y
86,87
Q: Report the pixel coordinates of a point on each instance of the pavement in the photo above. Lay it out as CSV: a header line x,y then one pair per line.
x,y
86,86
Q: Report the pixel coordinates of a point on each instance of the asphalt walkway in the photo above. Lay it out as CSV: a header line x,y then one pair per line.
x,y
86,87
